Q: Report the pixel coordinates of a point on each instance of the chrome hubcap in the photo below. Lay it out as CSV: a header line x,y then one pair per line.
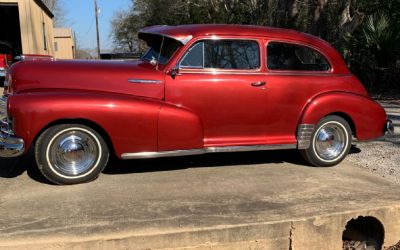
x,y
73,153
330,141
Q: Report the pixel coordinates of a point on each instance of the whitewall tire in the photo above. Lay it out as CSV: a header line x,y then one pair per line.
x,y
330,142
71,154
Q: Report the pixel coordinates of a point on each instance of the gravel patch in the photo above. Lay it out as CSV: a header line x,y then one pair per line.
x,y
381,156
395,247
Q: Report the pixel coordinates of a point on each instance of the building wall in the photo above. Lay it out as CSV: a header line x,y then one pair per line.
x,y
37,34
64,45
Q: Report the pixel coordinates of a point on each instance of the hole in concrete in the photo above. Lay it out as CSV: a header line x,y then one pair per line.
x,y
363,233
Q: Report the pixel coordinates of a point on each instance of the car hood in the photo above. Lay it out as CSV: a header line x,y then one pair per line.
x,y
126,77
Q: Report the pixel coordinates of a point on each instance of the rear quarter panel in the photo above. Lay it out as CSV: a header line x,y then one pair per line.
x,y
367,115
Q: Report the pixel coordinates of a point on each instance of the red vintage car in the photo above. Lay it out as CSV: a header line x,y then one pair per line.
x,y
198,89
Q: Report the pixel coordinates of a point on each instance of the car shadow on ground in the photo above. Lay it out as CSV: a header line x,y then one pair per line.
x,y
354,150
12,168
117,166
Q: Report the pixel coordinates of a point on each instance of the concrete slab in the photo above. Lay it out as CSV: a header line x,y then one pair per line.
x,y
223,201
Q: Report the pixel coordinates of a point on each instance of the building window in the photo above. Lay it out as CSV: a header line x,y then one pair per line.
x,y
56,46
44,36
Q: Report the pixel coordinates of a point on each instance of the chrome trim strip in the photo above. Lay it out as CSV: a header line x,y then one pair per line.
x,y
250,148
210,71
144,81
309,73
218,72
304,134
145,155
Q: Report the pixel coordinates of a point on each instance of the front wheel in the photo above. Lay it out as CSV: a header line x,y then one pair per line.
x,y
330,142
71,154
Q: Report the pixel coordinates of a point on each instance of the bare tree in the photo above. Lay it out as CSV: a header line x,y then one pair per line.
x,y
58,11
125,28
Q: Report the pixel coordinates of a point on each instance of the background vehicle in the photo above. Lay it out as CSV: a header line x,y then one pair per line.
x,y
199,89
5,60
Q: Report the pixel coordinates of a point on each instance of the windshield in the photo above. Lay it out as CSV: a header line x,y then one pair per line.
x,y
169,47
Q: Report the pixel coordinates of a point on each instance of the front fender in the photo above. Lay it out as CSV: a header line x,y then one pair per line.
x,y
130,122
368,117
179,129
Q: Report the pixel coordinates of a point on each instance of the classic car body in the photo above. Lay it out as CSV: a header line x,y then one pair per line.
x,y
158,107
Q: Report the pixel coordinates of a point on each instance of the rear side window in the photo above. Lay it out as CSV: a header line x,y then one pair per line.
x,y
223,54
286,56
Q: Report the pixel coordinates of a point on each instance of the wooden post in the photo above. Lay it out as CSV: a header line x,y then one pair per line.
x,y
96,9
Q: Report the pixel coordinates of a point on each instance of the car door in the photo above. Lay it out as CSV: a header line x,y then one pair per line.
x,y
222,82
297,72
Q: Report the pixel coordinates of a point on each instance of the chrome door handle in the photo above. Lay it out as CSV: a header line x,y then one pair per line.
x,y
258,84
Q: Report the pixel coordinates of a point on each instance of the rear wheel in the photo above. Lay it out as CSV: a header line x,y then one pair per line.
x,y
71,154
330,143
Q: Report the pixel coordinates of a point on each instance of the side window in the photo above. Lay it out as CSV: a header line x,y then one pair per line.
x,y
223,54
285,56
194,57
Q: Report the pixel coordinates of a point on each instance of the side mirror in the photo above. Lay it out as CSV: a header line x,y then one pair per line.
x,y
174,72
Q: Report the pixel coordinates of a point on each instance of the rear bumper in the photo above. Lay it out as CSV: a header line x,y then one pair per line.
x,y
10,145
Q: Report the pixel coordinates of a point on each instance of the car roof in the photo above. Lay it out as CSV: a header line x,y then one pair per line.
x,y
185,33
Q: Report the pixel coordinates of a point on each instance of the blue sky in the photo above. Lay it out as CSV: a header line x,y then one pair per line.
x,y
80,17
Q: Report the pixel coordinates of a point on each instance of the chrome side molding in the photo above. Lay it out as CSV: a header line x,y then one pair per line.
x,y
146,155
250,148
144,81
304,134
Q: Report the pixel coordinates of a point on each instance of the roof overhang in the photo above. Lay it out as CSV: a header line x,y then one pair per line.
x,y
166,31
45,8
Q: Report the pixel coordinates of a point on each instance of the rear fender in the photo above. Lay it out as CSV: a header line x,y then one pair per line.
x,y
368,117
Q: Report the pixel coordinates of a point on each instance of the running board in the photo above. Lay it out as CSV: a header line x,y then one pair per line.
x,y
145,155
